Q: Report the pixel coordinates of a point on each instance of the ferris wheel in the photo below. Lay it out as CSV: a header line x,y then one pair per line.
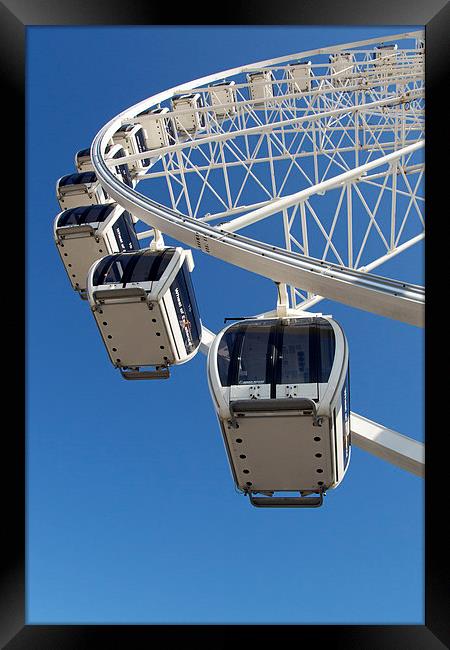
x,y
327,146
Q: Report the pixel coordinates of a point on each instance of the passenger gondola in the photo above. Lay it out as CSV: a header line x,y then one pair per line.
x,y
158,127
281,392
145,308
83,162
341,68
75,190
299,77
188,118
88,233
260,86
384,59
223,98
132,138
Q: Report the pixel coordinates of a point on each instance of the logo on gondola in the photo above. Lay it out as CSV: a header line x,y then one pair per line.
x,y
185,323
119,239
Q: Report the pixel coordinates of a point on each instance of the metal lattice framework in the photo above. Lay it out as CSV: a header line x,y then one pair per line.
x,y
345,121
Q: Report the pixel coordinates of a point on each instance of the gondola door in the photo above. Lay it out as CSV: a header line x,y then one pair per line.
x,y
296,364
251,367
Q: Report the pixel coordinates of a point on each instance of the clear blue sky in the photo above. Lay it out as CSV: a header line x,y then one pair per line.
x,y
132,516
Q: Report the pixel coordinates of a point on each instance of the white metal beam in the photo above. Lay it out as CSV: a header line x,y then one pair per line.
x,y
336,181
389,445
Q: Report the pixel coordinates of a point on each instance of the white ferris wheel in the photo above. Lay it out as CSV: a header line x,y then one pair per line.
x,y
327,146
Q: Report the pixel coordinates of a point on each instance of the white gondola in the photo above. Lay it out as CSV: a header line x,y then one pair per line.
x,y
341,68
299,77
222,96
188,119
260,87
384,60
132,138
76,190
281,392
83,162
83,188
145,308
88,233
158,127
121,171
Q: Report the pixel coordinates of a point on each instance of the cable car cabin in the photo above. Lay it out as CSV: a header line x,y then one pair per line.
x,y
87,233
84,188
281,392
341,68
76,190
158,127
188,119
83,162
221,95
132,138
260,87
121,171
299,77
384,60
145,308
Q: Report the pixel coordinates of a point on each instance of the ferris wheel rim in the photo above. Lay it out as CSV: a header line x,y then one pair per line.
x,y
161,216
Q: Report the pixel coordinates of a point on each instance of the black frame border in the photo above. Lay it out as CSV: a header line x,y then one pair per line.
x,y
15,17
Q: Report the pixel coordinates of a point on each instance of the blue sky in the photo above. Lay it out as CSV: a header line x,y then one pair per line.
x,y
132,516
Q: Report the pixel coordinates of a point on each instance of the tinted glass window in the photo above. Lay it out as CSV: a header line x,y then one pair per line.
x,y
78,179
297,356
193,307
186,308
304,348
307,352
123,170
224,353
125,127
149,111
85,214
146,267
345,396
125,234
140,139
108,271
140,267
229,361
253,356
326,351
170,130
131,229
87,177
